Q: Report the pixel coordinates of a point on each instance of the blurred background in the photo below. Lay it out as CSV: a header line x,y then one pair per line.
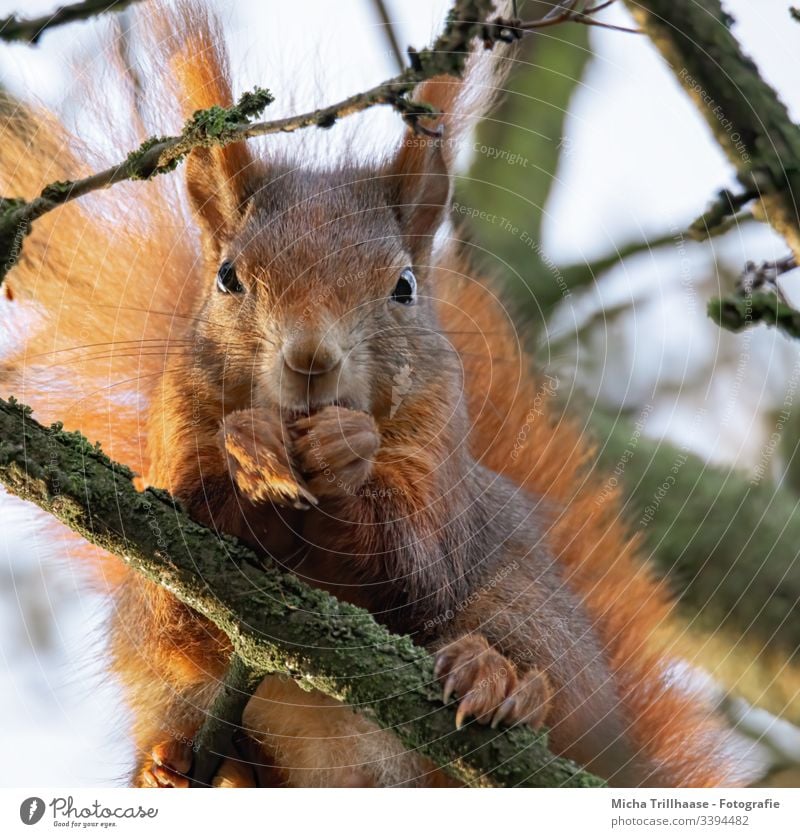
x,y
599,163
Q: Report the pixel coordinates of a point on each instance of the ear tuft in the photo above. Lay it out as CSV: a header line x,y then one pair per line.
x,y
420,190
421,172
219,179
218,182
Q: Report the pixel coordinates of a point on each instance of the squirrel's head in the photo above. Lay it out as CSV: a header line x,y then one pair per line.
x,y
320,285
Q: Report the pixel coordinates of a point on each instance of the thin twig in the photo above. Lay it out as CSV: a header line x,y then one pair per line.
x,y
222,126
29,30
758,299
566,11
389,33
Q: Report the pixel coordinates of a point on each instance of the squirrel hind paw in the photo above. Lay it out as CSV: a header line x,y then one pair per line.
x,y
167,766
488,686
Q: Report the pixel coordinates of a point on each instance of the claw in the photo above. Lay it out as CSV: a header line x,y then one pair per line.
x,y
439,666
307,495
149,779
461,714
503,711
449,688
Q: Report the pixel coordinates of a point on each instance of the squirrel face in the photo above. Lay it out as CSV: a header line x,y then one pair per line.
x,y
320,298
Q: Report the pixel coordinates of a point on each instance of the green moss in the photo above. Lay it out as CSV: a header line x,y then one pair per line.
x,y
135,161
739,311
217,125
15,224
213,126
58,191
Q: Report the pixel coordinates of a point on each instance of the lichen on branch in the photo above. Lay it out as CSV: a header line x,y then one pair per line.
x,y
466,21
746,117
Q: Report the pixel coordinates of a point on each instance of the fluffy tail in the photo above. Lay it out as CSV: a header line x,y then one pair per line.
x,y
98,302
97,305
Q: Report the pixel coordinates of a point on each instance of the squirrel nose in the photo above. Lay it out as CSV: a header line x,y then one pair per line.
x,y
311,357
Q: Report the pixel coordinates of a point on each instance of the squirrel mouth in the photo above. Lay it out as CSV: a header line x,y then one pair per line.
x,y
294,413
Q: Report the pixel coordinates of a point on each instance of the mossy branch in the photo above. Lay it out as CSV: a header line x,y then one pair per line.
x,y
748,120
738,311
275,622
745,114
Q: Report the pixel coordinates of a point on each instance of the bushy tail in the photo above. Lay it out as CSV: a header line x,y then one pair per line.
x,y
97,304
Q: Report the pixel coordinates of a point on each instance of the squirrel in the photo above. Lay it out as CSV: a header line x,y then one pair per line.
x,y
319,374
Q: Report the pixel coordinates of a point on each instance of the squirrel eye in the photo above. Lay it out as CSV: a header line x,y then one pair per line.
x,y
227,281
405,291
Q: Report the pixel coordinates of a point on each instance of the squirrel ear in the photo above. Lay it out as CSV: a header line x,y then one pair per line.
x,y
217,180
420,189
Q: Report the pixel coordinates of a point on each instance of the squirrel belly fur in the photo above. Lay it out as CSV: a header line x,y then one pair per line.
x,y
300,364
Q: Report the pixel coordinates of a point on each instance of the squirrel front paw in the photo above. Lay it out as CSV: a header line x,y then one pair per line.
x,y
254,442
488,685
335,450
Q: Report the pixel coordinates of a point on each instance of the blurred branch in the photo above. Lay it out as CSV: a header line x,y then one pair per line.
x,y
389,33
758,299
723,212
29,30
574,277
727,542
274,621
746,116
518,149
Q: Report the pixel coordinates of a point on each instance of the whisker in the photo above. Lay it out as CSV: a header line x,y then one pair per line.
x,y
113,356
165,341
176,315
121,383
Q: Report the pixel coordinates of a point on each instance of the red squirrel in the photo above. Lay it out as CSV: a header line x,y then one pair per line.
x,y
320,377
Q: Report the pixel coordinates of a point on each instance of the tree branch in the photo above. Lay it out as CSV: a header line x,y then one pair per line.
x,y
222,126
748,120
565,11
29,30
214,741
389,32
274,621
727,540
